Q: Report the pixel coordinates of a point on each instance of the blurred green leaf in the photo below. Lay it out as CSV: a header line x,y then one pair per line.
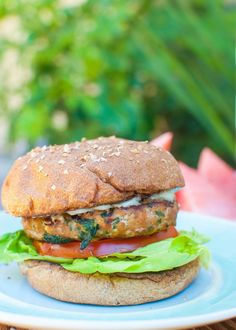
x,y
129,68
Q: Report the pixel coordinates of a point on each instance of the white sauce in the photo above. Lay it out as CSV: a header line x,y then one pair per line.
x,y
168,195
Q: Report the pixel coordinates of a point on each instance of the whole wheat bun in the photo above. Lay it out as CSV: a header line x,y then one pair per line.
x,y
55,179
107,289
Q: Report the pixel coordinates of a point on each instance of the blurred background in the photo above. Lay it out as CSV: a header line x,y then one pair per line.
x,y
75,68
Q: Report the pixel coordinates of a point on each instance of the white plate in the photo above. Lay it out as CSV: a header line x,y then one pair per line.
x,y
210,298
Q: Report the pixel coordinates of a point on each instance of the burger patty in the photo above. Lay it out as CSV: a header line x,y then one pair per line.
x,y
125,222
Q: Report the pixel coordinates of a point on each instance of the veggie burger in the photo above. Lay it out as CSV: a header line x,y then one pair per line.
x,y
99,223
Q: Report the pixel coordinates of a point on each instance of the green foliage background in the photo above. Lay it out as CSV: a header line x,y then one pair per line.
x,y
130,68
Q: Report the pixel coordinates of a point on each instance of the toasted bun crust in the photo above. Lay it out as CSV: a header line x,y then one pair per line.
x,y
55,179
107,289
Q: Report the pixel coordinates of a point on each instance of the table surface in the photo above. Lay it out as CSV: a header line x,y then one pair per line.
x,y
226,325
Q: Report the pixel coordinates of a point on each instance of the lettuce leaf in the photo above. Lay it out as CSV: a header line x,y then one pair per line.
x,y
18,247
155,257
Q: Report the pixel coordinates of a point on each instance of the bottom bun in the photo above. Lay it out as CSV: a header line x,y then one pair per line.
x,y
107,289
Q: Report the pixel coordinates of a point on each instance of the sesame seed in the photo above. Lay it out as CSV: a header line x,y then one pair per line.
x,y
66,172
117,153
25,167
66,148
103,159
93,157
40,168
163,160
33,154
42,157
145,151
83,139
44,148
61,162
37,160
45,174
134,151
53,187
109,174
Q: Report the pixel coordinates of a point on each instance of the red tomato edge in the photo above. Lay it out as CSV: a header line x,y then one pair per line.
x,y
102,248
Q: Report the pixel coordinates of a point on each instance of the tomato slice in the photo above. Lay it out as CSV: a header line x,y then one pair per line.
x,y
102,247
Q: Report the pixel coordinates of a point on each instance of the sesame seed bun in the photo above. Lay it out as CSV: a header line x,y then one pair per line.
x,y
107,289
55,179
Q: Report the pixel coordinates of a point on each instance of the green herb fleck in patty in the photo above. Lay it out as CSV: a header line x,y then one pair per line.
x,y
55,239
87,230
160,214
107,213
115,222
